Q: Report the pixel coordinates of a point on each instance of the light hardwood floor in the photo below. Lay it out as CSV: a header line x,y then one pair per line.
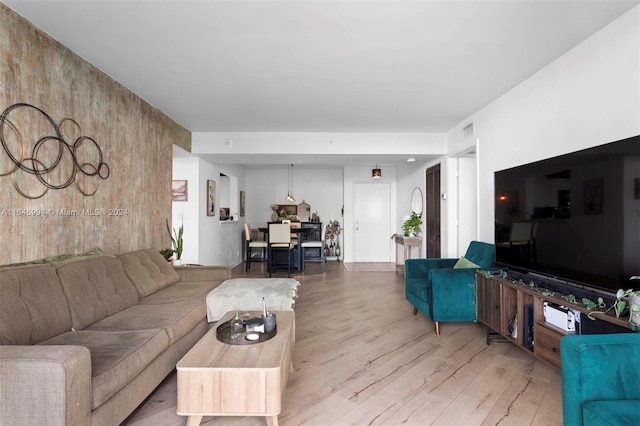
x,y
362,358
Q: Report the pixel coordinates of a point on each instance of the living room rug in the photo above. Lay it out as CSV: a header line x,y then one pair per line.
x,y
370,267
245,294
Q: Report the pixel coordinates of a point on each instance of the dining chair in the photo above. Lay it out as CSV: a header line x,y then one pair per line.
x,y
252,244
280,240
294,236
314,245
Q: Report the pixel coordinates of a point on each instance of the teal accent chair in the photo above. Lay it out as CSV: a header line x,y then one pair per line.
x,y
444,293
600,379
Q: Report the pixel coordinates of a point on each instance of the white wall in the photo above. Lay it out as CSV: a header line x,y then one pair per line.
x,y
467,203
588,97
186,212
269,146
207,240
321,188
408,177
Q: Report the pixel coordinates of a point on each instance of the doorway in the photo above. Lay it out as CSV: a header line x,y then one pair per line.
x,y
372,216
432,220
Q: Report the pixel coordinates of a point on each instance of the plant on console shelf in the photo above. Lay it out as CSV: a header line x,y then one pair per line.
x,y
633,297
619,305
596,307
412,225
176,239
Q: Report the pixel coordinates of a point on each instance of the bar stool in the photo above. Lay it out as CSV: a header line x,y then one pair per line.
x,y
262,245
316,245
280,240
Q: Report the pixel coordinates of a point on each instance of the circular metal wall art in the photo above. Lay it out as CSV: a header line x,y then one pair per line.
x,y
33,143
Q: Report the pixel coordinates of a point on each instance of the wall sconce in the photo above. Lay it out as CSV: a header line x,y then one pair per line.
x,y
289,197
376,173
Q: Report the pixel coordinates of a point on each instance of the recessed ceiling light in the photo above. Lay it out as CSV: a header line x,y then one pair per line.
x,y
411,160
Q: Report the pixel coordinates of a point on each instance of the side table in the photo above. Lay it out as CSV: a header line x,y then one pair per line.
x,y
407,243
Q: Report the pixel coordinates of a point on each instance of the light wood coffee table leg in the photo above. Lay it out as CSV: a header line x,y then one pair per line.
x,y
272,420
194,420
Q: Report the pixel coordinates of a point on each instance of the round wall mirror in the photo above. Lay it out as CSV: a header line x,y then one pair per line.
x,y
416,201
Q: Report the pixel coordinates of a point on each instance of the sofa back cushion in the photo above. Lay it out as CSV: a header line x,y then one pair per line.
x,y
482,254
149,271
95,289
33,307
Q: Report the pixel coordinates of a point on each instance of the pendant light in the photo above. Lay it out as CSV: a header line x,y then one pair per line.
x,y
289,197
376,173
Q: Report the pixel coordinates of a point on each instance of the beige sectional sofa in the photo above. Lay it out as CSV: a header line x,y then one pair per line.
x,y
86,340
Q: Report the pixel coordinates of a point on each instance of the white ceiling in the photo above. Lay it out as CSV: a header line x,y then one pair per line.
x,y
320,66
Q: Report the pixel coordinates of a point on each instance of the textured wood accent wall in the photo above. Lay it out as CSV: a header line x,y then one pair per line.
x,y
129,209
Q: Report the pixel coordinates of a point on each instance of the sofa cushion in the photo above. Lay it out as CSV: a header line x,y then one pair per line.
x,y
116,356
177,318
95,289
614,412
464,263
193,290
148,271
33,307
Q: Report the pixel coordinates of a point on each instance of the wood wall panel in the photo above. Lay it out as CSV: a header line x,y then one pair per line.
x,y
136,140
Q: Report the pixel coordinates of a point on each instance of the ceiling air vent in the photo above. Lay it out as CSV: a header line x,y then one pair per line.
x,y
468,130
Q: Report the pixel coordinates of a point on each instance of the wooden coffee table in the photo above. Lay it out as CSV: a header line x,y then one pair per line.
x,y
217,379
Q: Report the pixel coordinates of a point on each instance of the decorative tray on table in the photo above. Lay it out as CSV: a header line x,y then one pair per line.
x,y
223,333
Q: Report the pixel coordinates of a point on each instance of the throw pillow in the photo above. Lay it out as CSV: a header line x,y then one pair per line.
x,y
464,263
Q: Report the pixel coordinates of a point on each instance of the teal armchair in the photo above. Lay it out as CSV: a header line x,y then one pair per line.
x,y
444,293
600,379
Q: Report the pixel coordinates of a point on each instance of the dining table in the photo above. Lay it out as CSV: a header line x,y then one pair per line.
x,y
300,233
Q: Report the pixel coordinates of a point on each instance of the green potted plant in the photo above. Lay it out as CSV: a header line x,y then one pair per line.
x,y
411,226
167,253
176,242
629,298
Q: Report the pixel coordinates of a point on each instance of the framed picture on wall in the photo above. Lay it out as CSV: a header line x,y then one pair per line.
x,y
211,197
179,190
242,203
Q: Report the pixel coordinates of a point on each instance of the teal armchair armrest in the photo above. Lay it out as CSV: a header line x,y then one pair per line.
x,y
453,294
600,379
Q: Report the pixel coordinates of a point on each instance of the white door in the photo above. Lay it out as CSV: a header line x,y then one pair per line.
x,y
372,222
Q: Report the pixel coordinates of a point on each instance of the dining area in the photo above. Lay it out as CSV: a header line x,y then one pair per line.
x,y
285,245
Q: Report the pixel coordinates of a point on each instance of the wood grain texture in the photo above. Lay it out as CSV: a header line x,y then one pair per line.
x,y
362,358
136,140
222,379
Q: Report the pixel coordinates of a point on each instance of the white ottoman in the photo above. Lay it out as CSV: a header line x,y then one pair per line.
x,y
245,294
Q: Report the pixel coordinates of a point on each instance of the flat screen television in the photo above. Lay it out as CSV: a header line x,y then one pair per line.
x,y
573,218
